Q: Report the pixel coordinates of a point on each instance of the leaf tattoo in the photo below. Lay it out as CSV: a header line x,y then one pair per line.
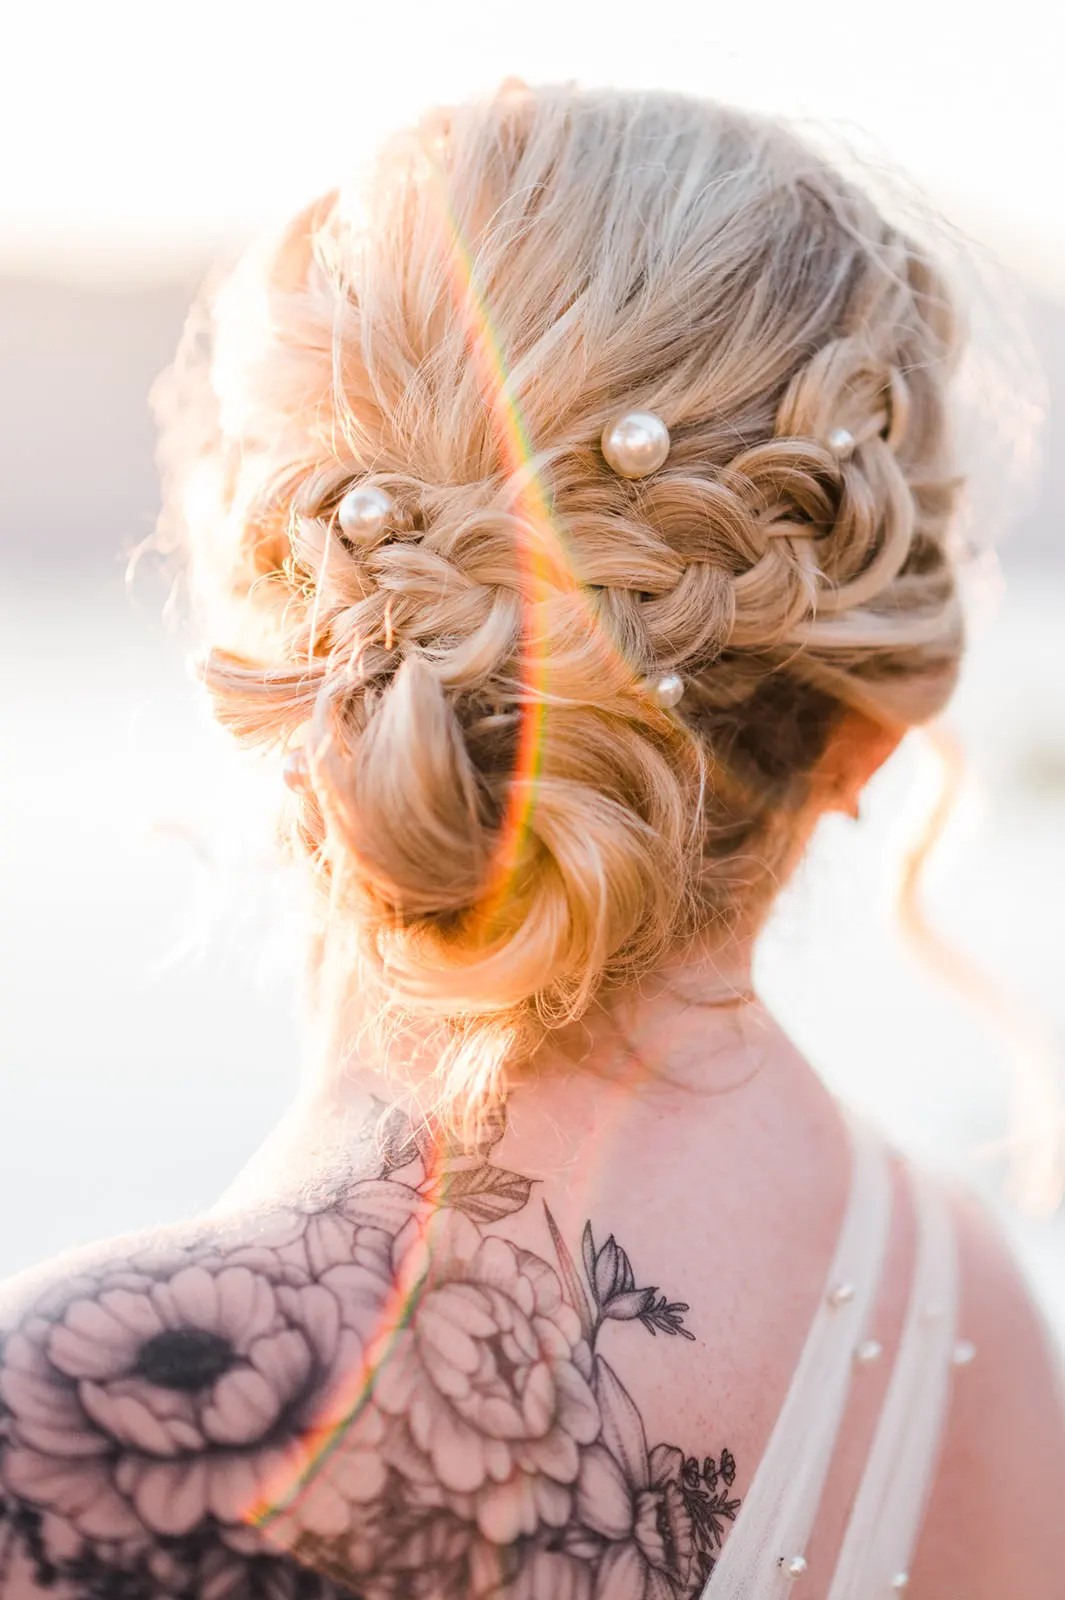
x,y
664,1316
485,1194
571,1279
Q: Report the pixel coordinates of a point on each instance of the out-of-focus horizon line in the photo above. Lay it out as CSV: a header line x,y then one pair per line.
x,y
119,251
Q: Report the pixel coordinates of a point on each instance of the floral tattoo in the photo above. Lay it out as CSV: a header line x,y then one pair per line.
x,y
375,1398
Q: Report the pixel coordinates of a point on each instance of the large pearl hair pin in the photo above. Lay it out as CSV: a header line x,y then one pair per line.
x,y
364,513
636,444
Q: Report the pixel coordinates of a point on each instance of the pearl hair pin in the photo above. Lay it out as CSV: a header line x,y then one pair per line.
x,y
841,441
294,770
636,444
796,1567
364,513
667,691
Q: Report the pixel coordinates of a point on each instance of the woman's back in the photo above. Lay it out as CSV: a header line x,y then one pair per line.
x,y
573,517
554,1364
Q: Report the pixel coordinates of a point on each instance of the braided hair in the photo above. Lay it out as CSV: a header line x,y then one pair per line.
x,y
499,818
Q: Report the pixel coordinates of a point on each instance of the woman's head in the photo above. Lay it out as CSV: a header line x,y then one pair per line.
x,y
501,816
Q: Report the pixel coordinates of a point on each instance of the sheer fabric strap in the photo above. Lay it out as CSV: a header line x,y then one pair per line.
x,y
780,1506
886,1518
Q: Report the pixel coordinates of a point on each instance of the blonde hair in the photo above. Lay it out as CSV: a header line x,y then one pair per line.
x,y
500,816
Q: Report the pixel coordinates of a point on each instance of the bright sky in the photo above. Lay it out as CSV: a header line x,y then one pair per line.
x,y
136,132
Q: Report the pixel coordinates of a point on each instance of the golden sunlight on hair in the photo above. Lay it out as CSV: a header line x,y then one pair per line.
x,y
503,820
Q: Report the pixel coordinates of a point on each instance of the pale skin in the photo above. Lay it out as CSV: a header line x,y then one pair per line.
x,y
689,1129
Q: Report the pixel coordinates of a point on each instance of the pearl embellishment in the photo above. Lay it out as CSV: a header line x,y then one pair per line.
x,y
964,1352
869,1350
841,1294
667,691
636,444
796,1567
364,513
294,770
900,1581
841,440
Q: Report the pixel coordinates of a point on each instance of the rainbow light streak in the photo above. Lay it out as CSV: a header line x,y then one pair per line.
x,y
284,1489
550,569
550,564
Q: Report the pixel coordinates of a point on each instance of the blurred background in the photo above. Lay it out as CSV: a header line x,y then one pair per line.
x,y
147,1033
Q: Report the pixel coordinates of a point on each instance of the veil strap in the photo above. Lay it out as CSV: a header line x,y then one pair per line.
x,y
780,1506
886,1517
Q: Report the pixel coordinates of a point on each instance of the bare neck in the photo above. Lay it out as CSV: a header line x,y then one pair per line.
x,y
692,1032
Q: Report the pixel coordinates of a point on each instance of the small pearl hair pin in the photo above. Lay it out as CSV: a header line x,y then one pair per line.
x,y
295,771
364,513
666,691
636,444
841,441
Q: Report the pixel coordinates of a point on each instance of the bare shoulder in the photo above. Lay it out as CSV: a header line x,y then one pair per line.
x,y
407,1386
148,1387
994,1524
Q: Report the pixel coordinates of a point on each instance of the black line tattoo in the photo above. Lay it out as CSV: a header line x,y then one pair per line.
x,y
375,1399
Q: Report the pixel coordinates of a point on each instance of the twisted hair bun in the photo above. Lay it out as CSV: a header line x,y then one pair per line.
x,y
501,814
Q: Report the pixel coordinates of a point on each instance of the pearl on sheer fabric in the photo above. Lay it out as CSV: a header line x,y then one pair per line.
x,y
841,1294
